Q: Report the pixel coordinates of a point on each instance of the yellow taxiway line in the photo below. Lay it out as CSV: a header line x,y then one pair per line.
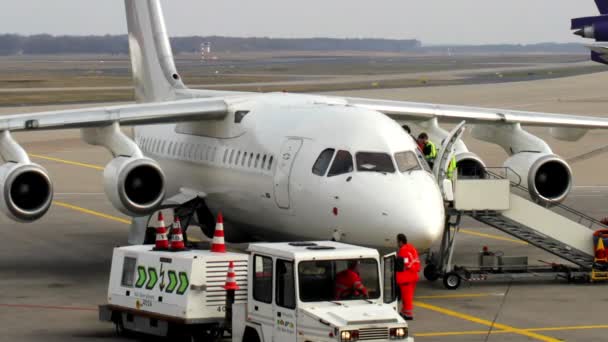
x,y
464,295
69,162
92,212
502,327
485,332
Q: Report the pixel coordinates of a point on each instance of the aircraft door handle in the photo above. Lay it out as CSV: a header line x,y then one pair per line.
x,y
278,314
256,308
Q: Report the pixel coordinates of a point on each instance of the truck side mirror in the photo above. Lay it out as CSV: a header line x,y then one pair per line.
x,y
399,264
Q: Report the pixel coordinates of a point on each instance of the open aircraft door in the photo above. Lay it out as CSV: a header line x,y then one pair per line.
x,y
444,155
289,151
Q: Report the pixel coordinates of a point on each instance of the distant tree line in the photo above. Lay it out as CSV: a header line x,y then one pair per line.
x,y
12,44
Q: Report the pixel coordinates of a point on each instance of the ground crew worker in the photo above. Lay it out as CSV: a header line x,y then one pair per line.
x,y
428,148
409,131
451,168
407,279
348,283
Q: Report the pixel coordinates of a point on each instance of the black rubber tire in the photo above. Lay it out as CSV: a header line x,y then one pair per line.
x,y
452,281
430,272
250,335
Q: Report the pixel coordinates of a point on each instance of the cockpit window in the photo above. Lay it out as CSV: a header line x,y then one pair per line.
x,y
374,162
407,161
322,162
343,163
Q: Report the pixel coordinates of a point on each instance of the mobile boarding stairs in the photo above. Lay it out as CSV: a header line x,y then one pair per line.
x,y
495,200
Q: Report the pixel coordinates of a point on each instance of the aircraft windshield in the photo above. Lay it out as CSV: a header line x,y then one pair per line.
x,y
374,162
330,280
407,161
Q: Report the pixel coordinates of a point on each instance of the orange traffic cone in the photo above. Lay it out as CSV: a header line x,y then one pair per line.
x,y
600,251
162,243
218,245
177,237
231,279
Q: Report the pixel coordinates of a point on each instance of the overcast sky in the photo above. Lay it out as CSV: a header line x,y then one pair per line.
x,y
431,21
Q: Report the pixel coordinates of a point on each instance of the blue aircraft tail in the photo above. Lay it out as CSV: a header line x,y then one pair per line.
x,y
602,5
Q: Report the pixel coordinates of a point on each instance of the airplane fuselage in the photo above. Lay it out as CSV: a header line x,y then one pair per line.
x,y
258,167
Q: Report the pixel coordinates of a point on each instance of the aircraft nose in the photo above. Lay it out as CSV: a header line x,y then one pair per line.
x,y
420,212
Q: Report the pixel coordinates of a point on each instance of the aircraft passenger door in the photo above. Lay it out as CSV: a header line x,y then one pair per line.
x,y
389,281
288,154
444,156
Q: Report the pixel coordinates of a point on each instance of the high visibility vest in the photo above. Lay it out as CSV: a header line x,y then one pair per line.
x,y
430,151
348,283
451,168
411,264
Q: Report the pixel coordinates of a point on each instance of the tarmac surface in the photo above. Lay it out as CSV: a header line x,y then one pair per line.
x,y
54,272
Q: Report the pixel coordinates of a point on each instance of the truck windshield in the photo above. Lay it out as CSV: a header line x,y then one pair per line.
x,y
330,280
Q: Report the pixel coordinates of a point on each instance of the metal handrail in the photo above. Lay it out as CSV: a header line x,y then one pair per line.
x,y
579,215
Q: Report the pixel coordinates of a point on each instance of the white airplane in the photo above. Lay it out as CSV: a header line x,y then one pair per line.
x,y
279,166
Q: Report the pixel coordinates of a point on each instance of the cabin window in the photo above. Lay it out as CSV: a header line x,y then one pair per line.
x,y
181,150
285,295
225,156
322,163
162,147
257,160
214,154
250,159
262,279
238,157
263,162
231,156
343,163
244,159
270,162
374,162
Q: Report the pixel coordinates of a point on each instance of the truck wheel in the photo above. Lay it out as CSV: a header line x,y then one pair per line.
x,y
250,335
430,272
452,281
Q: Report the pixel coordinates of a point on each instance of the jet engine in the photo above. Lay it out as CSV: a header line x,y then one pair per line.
x,y
469,165
27,191
547,176
135,186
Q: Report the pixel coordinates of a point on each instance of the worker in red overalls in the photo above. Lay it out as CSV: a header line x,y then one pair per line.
x,y
407,279
348,283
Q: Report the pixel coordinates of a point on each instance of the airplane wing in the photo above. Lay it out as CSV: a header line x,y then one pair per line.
x,y
414,111
599,53
128,114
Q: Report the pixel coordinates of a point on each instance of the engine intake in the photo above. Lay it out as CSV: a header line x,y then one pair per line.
x,y
135,186
27,191
547,176
470,165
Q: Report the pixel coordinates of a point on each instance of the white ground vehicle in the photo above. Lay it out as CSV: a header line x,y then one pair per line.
x,y
287,293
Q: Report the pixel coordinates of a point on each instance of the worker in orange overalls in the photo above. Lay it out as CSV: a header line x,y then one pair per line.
x,y
348,283
407,279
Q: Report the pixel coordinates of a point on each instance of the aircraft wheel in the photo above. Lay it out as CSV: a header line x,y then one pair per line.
x,y
452,281
430,272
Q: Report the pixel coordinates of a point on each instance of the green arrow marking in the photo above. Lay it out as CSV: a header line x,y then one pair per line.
x,y
183,283
172,282
153,278
141,276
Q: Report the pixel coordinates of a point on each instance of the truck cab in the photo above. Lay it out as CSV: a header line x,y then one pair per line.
x,y
306,291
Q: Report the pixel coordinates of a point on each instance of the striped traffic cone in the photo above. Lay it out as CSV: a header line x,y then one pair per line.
x,y
218,245
177,237
162,243
231,284
600,251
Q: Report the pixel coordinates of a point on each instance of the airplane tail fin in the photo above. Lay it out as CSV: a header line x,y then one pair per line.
x,y
155,76
602,5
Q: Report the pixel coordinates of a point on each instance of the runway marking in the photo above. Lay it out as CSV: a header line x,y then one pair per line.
x,y
482,332
456,296
487,323
491,236
92,212
105,216
69,162
51,307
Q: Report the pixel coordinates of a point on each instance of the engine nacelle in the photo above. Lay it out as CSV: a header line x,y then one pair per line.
x,y
470,165
547,176
135,186
27,191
